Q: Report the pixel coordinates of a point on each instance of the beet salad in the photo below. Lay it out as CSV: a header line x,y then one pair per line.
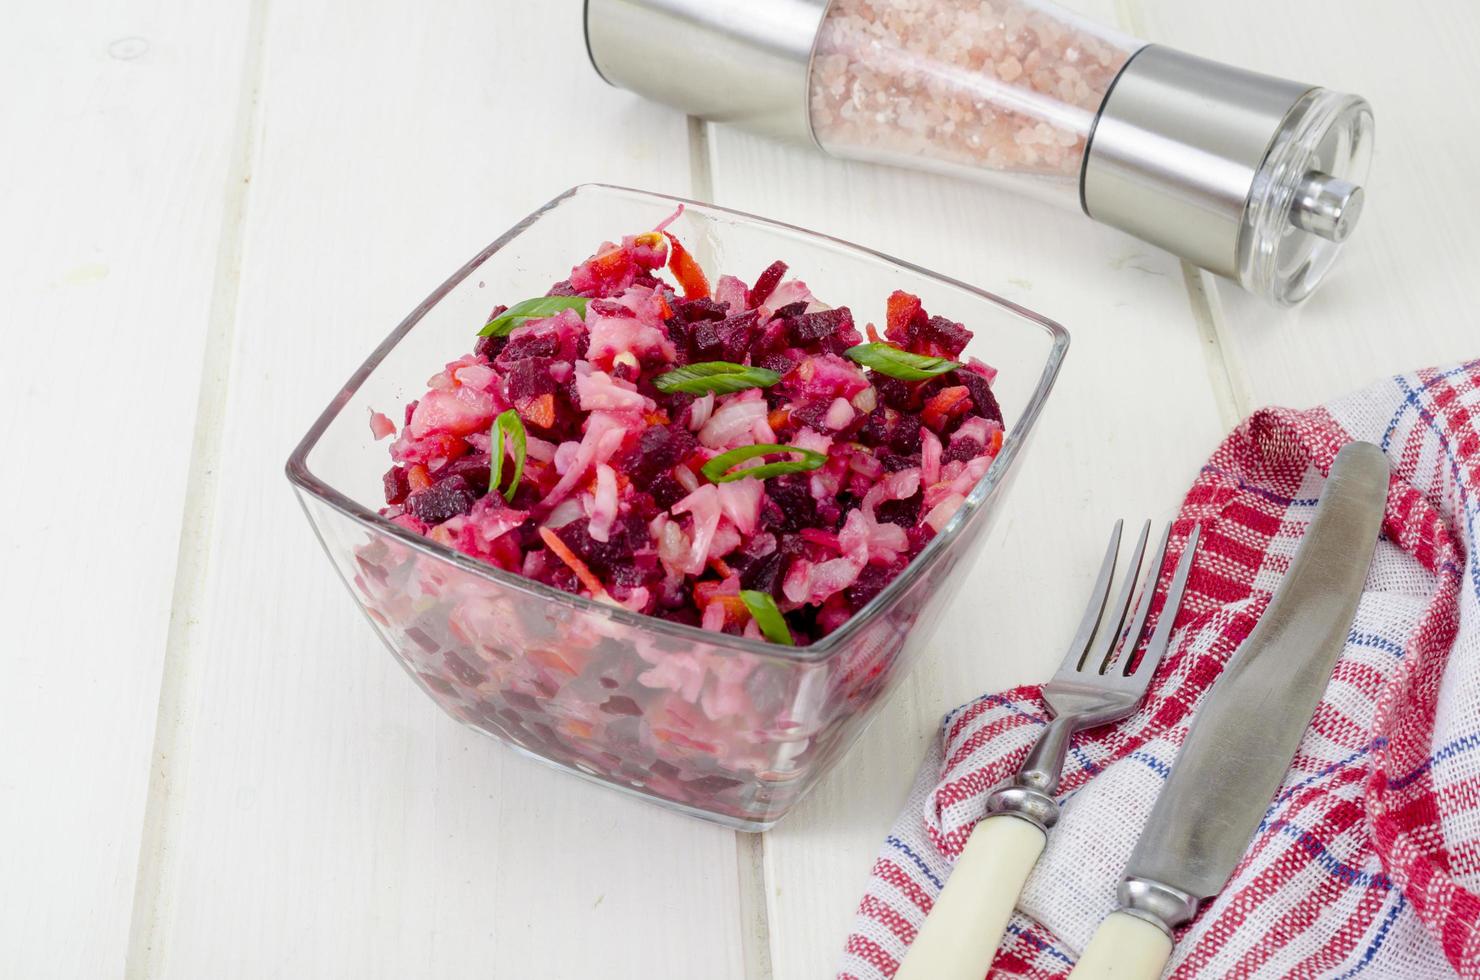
x,y
742,457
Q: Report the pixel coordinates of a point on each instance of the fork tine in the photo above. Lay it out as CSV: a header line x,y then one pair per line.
x,y
1104,648
1161,638
1079,646
1132,635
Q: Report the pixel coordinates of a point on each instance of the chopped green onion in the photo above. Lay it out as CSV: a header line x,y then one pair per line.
x,y
532,309
721,377
511,423
767,616
717,470
890,360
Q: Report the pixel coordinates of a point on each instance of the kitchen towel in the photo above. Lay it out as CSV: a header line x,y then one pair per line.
x,y
1367,863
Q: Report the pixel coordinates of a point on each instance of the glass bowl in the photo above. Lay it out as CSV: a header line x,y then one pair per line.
x,y
721,727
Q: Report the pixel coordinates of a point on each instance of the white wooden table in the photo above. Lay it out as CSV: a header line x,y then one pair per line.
x,y
211,211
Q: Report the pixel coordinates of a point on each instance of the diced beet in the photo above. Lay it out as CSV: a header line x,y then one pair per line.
x,y
893,462
904,435
983,401
459,668
489,348
780,363
529,535
397,485
793,506
442,502
813,413
766,284
870,582
875,431
529,378
948,336
704,308
686,614
811,327
764,574
410,411
659,448
666,490
839,342
563,288
962,447
607,307
893,392
529,345
790,310
905,513
474,469
678,332
621,705
705,342
919,536
626,538
643,505
640,571
736,334
710,785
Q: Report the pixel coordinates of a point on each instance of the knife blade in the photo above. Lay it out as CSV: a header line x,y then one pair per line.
x,y
1248,729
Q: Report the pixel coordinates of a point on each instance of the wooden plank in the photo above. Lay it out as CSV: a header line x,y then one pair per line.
x,y
1134,415
1404,292
115,187
326,818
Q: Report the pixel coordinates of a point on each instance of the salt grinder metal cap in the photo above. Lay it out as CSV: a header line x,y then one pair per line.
x,y
1249,176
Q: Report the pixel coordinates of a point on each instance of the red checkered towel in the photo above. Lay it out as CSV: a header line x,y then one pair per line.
x,y
1367,863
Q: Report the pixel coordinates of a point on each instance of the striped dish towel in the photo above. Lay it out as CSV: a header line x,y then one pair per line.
x,y
1367,863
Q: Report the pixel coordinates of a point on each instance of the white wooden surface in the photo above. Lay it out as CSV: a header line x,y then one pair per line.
x,y
207,766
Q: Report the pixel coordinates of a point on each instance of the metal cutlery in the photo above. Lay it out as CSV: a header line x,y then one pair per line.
x,y
1247,731
1092,687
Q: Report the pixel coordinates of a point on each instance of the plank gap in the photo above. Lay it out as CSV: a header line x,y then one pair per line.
x,y
198,516
755,917
1228,385
701,168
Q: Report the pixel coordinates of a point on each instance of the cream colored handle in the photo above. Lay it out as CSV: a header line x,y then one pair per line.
x,y
1125,947
961,933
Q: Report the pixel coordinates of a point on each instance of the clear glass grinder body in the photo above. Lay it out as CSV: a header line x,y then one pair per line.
x,y
1252,177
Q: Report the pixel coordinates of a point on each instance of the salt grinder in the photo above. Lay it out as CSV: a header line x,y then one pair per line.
x,y
1249,176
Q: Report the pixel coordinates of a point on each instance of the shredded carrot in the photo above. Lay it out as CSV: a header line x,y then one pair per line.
x,y
902,308
778,419
563,552
688,273
539,411
418,477
945,404
873,333
720,568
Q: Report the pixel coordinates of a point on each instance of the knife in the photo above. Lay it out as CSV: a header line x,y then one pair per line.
x,y
1247,731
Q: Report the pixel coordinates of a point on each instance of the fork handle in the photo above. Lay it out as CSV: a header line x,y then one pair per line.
x,y
964,926
1125,947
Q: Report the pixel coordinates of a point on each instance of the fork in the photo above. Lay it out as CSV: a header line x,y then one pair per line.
x,y
1092,687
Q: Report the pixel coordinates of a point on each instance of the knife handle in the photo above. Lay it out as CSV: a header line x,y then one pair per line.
x,y
964,926
1125,947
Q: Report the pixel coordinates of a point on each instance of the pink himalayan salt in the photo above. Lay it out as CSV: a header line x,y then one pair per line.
x,y
1006,85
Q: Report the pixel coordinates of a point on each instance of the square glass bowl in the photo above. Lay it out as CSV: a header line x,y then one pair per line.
x,y
720,727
